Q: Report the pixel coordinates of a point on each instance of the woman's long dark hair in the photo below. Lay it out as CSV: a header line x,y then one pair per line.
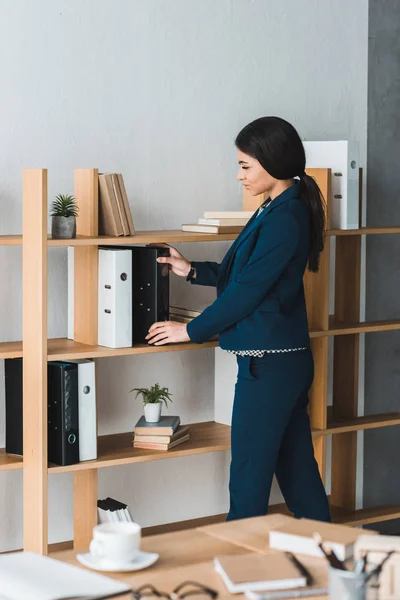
x,y
278,148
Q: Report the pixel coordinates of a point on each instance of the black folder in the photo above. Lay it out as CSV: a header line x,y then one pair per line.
x,y
62,406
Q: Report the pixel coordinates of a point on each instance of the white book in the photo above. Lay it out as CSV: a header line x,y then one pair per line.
x,y
223,221
70,259
115,298
343,158
87,411
228,214
25,575
298,536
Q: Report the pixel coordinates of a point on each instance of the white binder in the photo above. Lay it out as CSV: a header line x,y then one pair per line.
x,y
343,158
87,409
115,298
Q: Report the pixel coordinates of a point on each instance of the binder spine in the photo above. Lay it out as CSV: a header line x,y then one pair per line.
x,y
115,298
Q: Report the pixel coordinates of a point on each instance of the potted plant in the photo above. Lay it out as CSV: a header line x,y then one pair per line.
x,y
63,212
153,398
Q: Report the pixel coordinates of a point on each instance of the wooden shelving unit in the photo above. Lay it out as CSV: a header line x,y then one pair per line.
x,y
342,422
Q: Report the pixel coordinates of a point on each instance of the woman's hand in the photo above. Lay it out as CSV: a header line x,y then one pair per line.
x,y
167,332
176,262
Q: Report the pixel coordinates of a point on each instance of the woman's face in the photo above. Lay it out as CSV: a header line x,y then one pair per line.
x,y
256,180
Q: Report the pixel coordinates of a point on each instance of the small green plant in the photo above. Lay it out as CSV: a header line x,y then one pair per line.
x,y
64,206
154,394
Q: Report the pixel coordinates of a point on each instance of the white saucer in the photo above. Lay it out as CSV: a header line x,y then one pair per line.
x,y
142,561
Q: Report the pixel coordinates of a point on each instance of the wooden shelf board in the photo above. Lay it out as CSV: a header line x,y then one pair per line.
x,y
64,349
118,449
340,328
359,424
176,236
9,462
146,237
364,231
365,516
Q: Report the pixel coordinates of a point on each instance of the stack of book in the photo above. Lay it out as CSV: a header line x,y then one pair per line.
x,y
114,212
220,222
182,315
110,511
165,434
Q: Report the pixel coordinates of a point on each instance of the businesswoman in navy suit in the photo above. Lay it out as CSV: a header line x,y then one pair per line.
x,y
260,315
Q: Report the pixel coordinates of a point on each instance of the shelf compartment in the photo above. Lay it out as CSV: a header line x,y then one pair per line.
x,y
9,462
118,449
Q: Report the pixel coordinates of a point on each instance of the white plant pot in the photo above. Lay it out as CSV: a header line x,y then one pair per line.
x,y
152,412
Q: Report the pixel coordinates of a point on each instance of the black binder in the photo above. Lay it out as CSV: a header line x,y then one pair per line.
x,y
63,425
150,294
62,406
13,385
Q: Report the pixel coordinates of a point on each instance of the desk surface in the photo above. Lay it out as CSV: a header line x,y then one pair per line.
x,y
189,555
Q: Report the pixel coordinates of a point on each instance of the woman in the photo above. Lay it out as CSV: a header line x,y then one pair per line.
x,y
260,315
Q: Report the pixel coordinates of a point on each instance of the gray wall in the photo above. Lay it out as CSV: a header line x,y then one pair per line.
x,y
382,351
158,89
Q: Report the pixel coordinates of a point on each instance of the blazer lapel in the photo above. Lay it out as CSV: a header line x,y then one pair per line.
x,y
251,226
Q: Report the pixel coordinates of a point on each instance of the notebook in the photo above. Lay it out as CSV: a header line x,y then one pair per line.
x,y
29,576
297,536
319,587
252,572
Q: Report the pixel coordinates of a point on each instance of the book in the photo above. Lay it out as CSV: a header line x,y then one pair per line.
x,y
155,446
163,439
27,575
126,204
196,228
228,214
253,571
179,318
165,426
297,536
223,222
111,510
120,203
109,219
185,312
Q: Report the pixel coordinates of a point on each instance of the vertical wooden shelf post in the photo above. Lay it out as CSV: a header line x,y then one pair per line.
x,y
34,329
345,370
85,331
316,287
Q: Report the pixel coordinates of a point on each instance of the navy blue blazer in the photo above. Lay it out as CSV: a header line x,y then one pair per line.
x,y
260,301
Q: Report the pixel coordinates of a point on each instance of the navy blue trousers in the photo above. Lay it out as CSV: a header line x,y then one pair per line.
x,y
271,434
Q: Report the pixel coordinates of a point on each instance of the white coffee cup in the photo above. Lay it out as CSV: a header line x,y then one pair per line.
x,y
116,542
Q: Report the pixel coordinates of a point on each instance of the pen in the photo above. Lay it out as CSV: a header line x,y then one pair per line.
x,y
331,556
305,572
378,569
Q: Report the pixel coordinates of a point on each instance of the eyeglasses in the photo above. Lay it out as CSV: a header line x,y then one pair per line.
x,y
192,589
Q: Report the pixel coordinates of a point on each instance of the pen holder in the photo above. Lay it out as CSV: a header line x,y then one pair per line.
x,y
347,585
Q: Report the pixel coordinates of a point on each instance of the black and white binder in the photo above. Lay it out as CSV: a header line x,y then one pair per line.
x,y
87,411
62,413
115,298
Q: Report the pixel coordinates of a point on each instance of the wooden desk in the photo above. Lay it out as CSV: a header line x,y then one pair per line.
x,y
184,555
